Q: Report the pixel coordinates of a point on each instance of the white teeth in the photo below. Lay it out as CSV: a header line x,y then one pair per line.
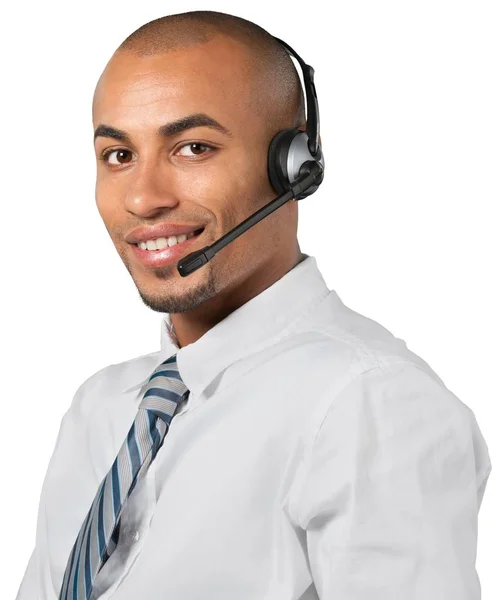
x,y
160,243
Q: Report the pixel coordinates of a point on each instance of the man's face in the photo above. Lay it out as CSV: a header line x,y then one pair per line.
x,y
216,184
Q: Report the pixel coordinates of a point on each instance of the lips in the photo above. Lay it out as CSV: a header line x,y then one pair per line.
x,y
165,230
166,256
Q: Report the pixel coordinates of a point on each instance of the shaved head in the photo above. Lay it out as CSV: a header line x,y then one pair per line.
x,y
272,74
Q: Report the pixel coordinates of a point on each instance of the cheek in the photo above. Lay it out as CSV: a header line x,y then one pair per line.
x,y
107,197
201,181
221,189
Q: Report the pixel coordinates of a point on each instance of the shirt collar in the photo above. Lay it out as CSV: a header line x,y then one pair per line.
x,y
254,325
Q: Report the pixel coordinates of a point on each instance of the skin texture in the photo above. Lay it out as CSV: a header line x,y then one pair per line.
x,y
157,180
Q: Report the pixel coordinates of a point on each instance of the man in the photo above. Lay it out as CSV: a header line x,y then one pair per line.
x,y
312,454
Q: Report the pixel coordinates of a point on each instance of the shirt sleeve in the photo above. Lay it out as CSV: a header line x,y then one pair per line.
x,y
390,494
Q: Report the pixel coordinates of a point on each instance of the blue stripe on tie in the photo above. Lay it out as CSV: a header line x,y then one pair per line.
x,y
141,458
84,527
115,539
77,568
156,434
101,533
75,578
132,446
162,393
115,488
87,566
151,426
170,373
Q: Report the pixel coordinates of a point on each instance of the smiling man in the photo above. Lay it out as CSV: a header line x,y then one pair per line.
x,y
182,142
279,445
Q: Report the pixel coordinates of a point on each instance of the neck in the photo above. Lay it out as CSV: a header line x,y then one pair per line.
x,y
188,327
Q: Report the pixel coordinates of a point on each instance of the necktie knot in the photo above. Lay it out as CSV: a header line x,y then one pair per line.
x,y
165,390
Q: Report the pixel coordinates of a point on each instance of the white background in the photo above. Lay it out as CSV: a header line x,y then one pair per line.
x,y
406,226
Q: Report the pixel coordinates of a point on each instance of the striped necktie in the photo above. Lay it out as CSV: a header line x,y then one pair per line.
x,y
98,535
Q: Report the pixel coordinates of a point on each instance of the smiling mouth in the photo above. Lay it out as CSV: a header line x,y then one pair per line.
x,y
168,255
165,245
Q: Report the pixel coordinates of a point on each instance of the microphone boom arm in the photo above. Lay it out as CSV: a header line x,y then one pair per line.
x,y
197,259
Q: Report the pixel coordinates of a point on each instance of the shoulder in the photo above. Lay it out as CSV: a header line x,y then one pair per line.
x,y
335,337
110,382
398,391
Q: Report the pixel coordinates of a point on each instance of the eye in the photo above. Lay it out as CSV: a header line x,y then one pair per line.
x,y
195,148
120,151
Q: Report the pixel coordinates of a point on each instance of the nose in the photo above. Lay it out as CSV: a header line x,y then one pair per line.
x,y
151,187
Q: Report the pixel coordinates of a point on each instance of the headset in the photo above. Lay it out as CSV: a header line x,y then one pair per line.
x,y
292,149
295,168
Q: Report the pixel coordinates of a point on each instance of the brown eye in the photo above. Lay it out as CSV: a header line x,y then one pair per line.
x,y
196,148
121,155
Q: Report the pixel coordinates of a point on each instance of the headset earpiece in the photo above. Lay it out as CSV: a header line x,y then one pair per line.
x,y
287,153
278,159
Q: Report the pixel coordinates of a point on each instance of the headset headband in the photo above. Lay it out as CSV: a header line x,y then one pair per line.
x,y
311,95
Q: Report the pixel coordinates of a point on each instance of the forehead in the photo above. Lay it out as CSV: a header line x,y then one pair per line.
x,y
216,77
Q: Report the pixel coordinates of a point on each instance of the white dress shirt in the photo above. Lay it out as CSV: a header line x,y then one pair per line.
x,y
316,457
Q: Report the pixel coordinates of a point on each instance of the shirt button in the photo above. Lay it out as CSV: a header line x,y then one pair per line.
x,y
134,536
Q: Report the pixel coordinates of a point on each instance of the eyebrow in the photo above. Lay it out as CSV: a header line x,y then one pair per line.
x,y
167,130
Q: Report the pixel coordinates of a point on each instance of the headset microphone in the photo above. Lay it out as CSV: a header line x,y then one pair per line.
x,y
295,170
